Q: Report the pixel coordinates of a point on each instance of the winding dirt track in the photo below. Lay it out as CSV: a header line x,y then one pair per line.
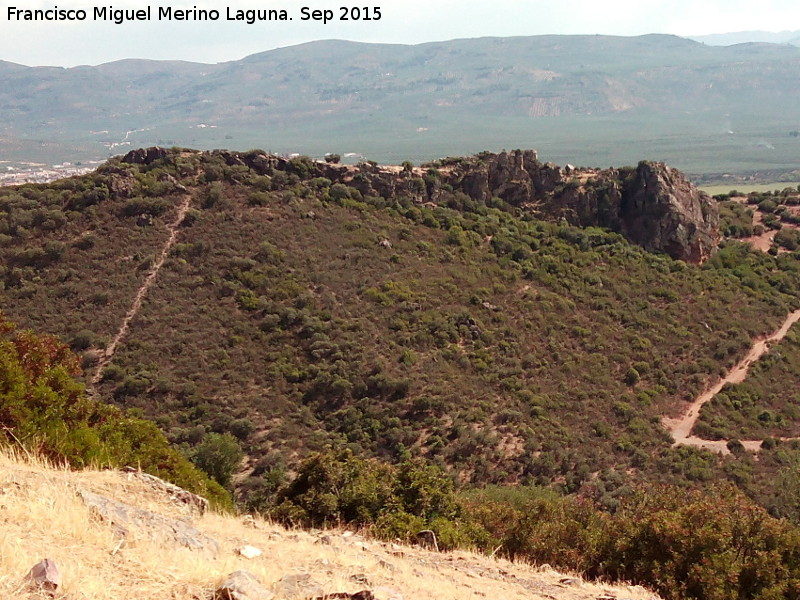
x,y
681,427
142,292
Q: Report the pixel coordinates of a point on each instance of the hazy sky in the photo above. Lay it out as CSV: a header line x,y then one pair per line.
x,y
402,21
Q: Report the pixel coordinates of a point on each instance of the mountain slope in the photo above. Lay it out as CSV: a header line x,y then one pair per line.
x,y
294,313
587,99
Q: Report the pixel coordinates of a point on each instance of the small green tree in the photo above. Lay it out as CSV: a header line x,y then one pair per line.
x,y
219,455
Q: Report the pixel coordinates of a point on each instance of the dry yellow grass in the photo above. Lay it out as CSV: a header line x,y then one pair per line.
x,y
41,515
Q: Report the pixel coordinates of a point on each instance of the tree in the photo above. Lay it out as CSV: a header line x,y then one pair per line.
x,y
219,455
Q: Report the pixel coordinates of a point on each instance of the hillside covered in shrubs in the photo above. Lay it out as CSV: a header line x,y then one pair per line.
x,y
423,359
294,313
45,410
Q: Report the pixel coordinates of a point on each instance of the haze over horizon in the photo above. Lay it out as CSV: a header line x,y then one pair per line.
x,y
96,42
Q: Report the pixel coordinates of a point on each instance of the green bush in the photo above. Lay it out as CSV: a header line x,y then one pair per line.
x,y
218,455
713,545
44,408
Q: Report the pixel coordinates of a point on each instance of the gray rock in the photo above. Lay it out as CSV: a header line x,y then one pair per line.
x,y
145,156
121,183
125,517
45,575
177,495
242,585
301,585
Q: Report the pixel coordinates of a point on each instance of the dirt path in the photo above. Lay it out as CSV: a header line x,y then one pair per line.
x,y
681,427
108,355
764,241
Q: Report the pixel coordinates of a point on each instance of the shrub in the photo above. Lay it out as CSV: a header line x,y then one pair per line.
x,y
150,206
82,340
218,455
44,407
706,546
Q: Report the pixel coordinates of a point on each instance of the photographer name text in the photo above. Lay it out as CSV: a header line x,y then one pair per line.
x,y
168,13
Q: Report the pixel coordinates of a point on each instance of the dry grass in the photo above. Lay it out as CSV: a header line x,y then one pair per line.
x,y
42,516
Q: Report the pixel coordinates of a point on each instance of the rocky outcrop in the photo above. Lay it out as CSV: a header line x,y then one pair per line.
x,y
661,211
652,205
145,156
176,495
125,518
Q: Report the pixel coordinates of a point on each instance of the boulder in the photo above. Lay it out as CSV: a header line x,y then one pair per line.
x,y
242,585
300,585
121,182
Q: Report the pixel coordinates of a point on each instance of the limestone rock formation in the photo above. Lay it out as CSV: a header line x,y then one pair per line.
x,y
652,205
661,211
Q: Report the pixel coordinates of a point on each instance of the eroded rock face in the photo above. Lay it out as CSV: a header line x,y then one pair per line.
x,y
661,211
145,156
653,205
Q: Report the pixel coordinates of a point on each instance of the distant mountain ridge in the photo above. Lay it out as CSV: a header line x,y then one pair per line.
x,y
591,99
743,37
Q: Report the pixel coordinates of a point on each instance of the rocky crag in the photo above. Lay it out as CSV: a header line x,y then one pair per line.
x,y
652,205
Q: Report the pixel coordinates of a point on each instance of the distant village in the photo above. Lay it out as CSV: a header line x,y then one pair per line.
x,y
38,173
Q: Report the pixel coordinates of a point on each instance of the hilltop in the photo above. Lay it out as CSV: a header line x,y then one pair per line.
x,y
592,100
52,513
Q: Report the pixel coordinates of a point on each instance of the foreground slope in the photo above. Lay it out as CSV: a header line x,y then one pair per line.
x,y
44,515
